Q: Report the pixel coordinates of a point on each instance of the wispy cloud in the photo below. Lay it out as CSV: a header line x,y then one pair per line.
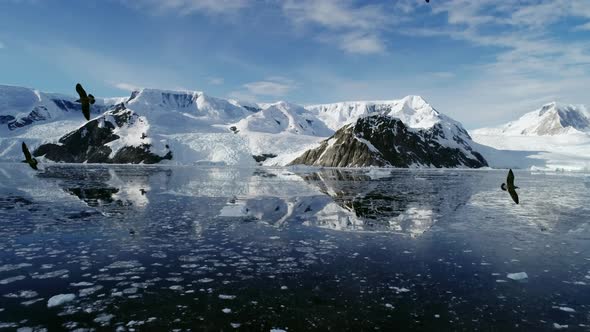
x,y
355,29
186,7
582,27
272,86
215,80
531,61
105,69
269,88
1,45
126,86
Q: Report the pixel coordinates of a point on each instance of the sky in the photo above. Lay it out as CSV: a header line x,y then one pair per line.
x,y
481,62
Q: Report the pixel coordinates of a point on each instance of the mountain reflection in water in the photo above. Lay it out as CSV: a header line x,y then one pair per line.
x,y
304,249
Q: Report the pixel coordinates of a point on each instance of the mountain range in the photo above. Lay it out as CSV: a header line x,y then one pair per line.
x,y
191,127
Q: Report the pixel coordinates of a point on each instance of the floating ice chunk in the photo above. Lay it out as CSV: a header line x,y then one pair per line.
x,y
11,280
24,329
274,237
51,274
124,265
103,319
277,330
205,280
60,299
400,289
23,294
89,291
235,325
226,297
389,305
81,284
566,309
11,267
30,302
226,310
284,287
517,276
559,327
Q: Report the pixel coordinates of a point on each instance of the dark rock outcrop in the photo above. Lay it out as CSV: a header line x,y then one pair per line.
x,y
384,141
88,143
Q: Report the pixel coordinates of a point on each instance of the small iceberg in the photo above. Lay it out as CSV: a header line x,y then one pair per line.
x,y
60,299
517,276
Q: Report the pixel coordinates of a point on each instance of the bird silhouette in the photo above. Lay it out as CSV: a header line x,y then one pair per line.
x,y
28,158
131,231
143,135
142,191
85,100
510,187
428,1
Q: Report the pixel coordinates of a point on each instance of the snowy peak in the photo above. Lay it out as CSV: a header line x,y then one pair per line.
x,y
284,117
551,119
414,111
193,103
22,107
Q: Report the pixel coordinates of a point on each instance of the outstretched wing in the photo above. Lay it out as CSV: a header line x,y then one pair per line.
x,y
26,152
510,179
81,91
513,194
86,109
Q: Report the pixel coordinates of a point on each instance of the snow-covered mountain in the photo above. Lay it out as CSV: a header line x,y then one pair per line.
x,y
190,127
283,117
385,141
556,136
551,119
414,112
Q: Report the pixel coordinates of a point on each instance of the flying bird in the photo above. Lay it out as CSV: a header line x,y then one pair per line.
x,y
28,158
85,100
143,136
142,191
509,186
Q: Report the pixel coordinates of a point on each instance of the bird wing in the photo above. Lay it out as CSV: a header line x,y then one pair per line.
x,y
81,91
26,152
513,194
510,179
86,109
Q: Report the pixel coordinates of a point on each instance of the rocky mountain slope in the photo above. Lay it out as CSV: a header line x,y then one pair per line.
x,y
385,141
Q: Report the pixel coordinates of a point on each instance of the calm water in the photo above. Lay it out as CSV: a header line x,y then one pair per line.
x,y
155,248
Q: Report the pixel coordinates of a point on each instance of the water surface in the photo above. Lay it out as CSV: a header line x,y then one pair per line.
x,y
164,248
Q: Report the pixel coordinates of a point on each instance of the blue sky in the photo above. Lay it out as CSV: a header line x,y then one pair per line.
x,y
482,62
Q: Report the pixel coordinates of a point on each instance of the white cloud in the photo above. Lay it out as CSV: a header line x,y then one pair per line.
x,y
272,86
215,80
355,29
105,68
268,88
186,7
126,86
582,27
361,43
530,63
